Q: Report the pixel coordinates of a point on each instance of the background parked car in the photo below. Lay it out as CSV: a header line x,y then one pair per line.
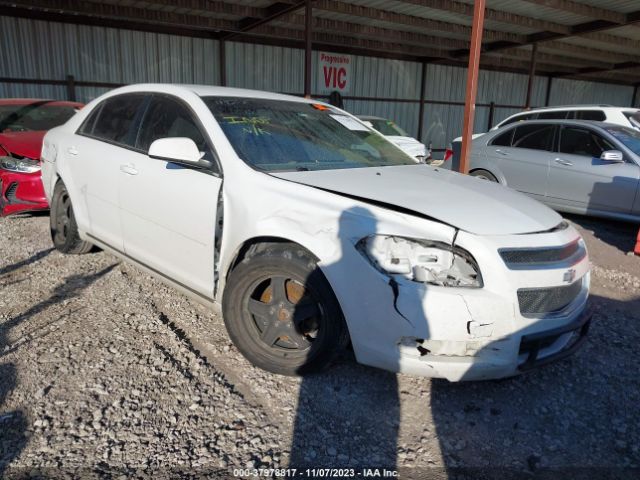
x,y
398,136
575,166
23,124
627,117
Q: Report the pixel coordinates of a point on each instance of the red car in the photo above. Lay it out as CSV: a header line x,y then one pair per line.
x,y
23,123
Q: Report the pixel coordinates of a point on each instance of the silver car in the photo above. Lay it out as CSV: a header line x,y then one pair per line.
x,y
583,167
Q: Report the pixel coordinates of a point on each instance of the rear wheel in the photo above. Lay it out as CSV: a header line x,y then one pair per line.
x,y
484,175
64,230
281,312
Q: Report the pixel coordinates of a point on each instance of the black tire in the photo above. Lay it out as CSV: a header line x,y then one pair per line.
x,y
484,175
64,230
281,312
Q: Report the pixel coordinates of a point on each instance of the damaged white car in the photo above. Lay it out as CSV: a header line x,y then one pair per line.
x,y
312,230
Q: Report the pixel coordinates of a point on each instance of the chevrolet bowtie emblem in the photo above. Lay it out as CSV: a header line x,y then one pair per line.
x,y
569,276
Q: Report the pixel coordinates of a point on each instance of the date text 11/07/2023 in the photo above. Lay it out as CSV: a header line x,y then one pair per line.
x,y
315,472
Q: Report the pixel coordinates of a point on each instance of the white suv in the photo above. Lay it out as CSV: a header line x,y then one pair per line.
x,y
311,230
627,117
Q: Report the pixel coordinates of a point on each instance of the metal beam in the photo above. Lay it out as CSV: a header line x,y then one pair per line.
x,y
581,9
498,16
420,23
617,66
272,12
472,84
377,33
118,16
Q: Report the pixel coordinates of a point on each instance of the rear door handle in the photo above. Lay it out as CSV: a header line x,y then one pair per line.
x,y
564,162
72,151
501,152
128,169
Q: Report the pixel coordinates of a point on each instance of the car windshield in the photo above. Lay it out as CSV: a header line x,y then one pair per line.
x,y
387,127
629,137
276,135
33,116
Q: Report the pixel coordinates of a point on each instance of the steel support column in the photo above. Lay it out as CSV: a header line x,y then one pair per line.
x,y
222,55
532,74
423,78
472,84
308,14
547,96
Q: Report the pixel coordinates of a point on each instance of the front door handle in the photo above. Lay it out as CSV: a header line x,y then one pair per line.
x,y
72,151
128,169
501,152
564,162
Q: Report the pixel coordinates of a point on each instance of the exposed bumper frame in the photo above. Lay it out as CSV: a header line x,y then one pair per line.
x,y
534,342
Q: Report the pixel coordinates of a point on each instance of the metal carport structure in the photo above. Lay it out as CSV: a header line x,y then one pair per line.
x,y
550,45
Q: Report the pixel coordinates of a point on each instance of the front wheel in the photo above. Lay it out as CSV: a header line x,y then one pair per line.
x,y
64,230
484,175
281,312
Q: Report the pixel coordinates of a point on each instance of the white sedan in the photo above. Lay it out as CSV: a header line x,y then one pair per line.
x,y
397,136
311,230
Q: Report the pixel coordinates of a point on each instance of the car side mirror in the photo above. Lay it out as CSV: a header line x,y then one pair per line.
x,y
178,150
613,156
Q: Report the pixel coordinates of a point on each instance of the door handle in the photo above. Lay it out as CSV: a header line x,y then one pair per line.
x,y
564,162
128,169
72,151
501,152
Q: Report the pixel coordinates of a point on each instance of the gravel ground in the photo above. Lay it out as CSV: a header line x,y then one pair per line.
x,y
105,371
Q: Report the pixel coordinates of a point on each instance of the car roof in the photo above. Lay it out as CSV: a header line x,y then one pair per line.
x,y
561,121
573,107
28,101
210,91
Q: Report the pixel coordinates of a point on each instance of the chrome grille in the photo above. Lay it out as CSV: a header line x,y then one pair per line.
x,y
523,257
536,301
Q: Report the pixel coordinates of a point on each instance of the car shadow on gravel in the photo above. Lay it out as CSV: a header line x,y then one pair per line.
x,y
620,235
576,418
27,261
349,416
14,424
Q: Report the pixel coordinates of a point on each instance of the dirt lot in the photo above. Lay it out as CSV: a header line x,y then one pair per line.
x,y
105,371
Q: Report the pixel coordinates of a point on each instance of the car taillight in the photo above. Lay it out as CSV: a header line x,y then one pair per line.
x,y
448,154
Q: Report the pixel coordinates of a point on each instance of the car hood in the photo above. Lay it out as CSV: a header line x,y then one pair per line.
x,y
24,144
464,202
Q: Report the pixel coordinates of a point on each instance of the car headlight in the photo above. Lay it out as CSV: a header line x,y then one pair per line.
x,y
23,165
422,261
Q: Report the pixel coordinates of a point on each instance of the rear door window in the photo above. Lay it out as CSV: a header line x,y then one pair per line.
x,y
554,115
584,142
534,137
118,119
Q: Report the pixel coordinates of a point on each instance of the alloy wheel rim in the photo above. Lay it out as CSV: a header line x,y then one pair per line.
x,y
285,314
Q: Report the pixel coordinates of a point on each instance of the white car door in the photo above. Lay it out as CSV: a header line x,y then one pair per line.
x,y
94,155
169,210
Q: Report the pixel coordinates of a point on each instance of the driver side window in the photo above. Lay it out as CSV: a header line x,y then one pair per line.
x,y
580,141
166,117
